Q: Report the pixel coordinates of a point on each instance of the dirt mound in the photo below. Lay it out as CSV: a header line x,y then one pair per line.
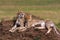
x,y
30,34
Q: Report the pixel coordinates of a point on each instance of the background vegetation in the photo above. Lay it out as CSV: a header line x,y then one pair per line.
x,y
42,8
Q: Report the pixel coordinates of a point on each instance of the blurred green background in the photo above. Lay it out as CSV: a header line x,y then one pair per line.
x,y
41,8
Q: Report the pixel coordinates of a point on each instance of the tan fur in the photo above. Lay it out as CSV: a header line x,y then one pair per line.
x,y
50,26
27,17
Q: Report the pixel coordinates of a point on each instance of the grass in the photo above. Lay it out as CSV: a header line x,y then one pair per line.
x,y
42,8
29,2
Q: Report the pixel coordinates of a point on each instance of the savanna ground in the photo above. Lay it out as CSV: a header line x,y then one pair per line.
x,y
41,8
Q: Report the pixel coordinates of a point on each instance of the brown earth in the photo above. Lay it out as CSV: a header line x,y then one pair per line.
x,y
29,34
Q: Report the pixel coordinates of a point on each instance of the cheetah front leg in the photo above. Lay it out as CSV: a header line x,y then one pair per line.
x,y
13,29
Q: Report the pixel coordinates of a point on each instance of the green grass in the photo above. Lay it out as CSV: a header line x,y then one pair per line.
x,y
29,2
42,8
